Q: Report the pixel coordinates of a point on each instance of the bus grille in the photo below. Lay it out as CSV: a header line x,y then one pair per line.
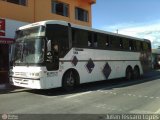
x,y
21,81
22,74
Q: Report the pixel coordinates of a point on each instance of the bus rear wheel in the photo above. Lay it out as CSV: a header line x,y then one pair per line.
x,y
69,81
129,73
136,73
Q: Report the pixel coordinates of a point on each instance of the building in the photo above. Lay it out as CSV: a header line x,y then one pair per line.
x,y
15,13
7,33
75,11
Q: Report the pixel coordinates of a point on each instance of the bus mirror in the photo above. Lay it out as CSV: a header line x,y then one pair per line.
x,y
49,45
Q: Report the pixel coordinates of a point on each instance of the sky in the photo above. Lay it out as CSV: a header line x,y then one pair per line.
x,y
138,18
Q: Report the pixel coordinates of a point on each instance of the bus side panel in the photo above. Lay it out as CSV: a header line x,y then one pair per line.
x,y
95,65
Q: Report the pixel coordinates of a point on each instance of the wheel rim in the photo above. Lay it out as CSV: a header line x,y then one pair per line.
x,y
129,74
70,80
136,73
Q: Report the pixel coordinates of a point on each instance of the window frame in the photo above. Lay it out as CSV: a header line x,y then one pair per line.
x,y
18,2
65,12
85,15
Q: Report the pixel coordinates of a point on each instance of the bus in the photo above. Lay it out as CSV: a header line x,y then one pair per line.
x,y
51,54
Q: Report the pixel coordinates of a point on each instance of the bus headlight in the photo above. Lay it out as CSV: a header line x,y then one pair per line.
x,y
11,73
36,74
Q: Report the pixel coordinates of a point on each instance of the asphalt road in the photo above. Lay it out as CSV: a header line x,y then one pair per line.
x,y
108,97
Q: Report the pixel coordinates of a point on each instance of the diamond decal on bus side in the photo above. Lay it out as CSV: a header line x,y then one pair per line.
x,y
74,61
90,65
107,70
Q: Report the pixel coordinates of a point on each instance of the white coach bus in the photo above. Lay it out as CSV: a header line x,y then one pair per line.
x,y
51,54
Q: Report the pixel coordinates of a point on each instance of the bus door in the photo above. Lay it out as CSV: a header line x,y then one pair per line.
x,y
59,42
52,57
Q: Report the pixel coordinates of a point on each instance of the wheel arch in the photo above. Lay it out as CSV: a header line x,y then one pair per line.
x,y
75,73
129,67
137,66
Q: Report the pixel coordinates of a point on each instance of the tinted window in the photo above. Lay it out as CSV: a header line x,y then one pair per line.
x,y
101,38
20,2
81,14
58,35
146,46
138,44
60,8
80,38
115,42
125,44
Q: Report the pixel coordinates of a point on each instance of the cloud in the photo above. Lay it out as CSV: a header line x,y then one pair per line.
x,y
149,31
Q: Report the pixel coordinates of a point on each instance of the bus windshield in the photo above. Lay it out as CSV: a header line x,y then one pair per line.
x,y
29,46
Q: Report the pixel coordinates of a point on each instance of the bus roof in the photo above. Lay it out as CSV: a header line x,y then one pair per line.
x,y
79,27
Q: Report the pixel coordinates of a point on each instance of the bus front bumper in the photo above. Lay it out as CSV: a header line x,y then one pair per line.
x,y
27,82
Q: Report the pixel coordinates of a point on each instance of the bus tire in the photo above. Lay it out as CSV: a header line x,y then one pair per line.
x,y
129,73
69,80
136,72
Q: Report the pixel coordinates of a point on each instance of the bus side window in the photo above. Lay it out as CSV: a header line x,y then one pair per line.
x,y
131,45
101,39
125,44
149,47
142,47
95,43
80,38
115,43
74,42
134,45
146,46
120,43
107,43
138,44
90,39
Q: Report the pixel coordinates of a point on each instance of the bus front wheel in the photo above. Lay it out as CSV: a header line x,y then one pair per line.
x,y
69,81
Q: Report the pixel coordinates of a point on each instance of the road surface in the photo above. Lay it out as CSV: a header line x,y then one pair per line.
x,y
108,97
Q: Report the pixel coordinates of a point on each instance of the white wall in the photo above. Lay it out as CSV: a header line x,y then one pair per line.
x,y
11,26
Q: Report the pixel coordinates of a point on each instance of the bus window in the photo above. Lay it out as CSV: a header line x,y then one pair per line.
x,y
95,43
125,44
107,44
149,47
120,43
90,39
80,38
101,41
132,46
58,34
146,46
138,44
142,47
115,42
